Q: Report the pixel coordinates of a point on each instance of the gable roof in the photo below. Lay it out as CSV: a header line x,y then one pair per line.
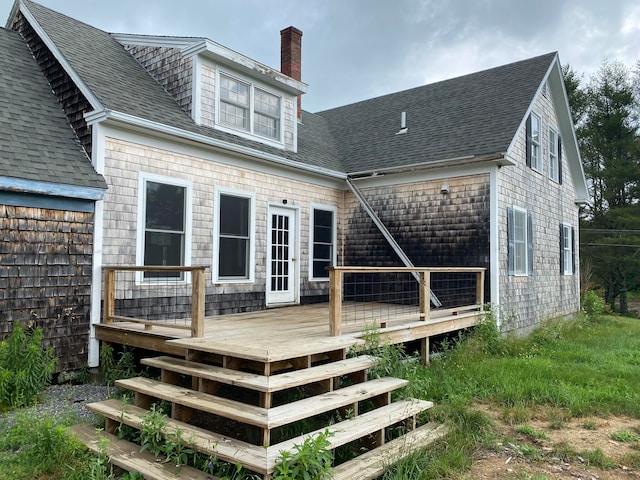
x,y
37,144
119,86
470,118
473,115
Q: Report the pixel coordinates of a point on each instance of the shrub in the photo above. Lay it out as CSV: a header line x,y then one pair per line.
x,y
592,304
310,460
25,368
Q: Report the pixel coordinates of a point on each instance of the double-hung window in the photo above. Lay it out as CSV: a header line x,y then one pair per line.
x,y
520,241
323,235
234,236
164,230
235,99
566,249
244,106
534,152
555,156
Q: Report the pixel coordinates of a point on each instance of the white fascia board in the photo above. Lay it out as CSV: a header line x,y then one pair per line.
x,y
12,184
77,80
225,56
499,159
145,125
156,40
568,133
426,175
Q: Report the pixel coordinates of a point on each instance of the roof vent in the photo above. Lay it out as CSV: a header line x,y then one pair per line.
x,y
403,124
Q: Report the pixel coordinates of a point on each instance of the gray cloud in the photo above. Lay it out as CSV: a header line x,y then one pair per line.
x,y
357,49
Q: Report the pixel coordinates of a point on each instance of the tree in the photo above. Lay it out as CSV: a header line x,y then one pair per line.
x,y
605,113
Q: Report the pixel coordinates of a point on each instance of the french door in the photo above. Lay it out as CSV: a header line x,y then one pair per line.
x,y
282,269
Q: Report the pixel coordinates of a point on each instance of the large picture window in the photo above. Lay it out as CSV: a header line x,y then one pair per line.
x,y
164,224
322,241
520,241
234,232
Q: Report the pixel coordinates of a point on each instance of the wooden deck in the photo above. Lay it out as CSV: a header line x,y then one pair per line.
x,y
281,333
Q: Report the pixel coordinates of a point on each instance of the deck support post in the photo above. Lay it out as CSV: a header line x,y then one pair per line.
x,y
425,295
335,302
109,295
424,351
198,287
480,289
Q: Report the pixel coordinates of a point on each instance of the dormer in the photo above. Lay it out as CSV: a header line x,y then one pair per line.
x,y
224,90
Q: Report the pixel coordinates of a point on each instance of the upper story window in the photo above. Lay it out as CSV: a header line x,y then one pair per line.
x,y
555,156
164,233
323,235
244,106
534,155
520,241
234,102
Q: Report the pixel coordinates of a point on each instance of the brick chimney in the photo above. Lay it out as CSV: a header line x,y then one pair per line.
x,y
291,57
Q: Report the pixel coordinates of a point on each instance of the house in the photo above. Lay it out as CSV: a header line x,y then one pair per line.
x,y
210,160
48,191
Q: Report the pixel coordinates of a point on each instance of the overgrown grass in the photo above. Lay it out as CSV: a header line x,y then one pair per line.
x,y
41,447
586,366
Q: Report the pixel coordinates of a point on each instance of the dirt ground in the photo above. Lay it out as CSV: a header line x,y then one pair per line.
x,y
518,456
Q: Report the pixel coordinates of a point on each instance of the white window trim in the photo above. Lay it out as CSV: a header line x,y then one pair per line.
x,y
249,133
567,233
143,177
539,167
334,239
553,132
217,191
525,273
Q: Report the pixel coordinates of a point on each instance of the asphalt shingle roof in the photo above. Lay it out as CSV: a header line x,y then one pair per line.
x,y
36,141
472,115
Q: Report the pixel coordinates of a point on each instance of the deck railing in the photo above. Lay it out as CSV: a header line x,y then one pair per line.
x,y
171,297
378,296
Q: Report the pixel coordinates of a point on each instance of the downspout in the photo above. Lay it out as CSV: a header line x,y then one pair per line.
x,y
388,237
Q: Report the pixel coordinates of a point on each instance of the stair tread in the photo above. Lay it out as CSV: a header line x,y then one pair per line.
x,y
262,417
205,441
354,428
372,464
127,455
262,383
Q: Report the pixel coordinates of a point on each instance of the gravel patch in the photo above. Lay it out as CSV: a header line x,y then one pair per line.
x,y
66,400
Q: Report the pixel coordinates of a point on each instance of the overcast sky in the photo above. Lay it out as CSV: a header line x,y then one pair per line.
x,y
358,49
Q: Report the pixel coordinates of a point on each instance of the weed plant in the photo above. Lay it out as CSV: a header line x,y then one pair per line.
x,y
25,368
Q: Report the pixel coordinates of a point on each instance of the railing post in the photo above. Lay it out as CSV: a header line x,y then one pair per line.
x,y
425,295
335,302
109,295
480,289
198,288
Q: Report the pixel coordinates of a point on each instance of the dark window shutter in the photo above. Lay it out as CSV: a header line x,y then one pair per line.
x,y
510,242
561,249
559,159
530,244
528,141
573,250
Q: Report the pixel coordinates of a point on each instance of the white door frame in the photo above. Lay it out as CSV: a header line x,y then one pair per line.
x,y
292,294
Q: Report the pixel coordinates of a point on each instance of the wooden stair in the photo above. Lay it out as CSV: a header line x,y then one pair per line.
x,y
324,394
128,456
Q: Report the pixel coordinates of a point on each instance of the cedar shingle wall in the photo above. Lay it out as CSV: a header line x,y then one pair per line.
x,y
75,105
433,229
45,277
526,301
169,69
